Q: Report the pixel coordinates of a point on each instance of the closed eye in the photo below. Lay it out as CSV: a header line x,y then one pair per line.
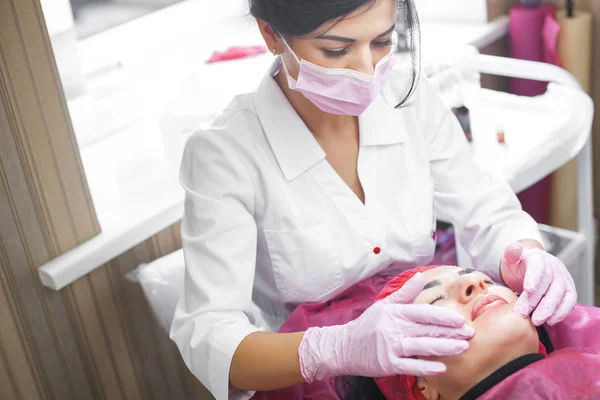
x,y
489,282
440,297
335,53
384,43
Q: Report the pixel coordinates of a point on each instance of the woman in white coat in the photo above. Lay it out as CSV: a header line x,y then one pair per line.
x,y
332,172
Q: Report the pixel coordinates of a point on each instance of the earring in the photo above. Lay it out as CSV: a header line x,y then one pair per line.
x,y
274,52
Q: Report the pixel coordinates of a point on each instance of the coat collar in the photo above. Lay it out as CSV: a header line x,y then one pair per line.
x,y
294,146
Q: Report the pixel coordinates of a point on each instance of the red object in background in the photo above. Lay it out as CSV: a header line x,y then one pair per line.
x,y
536,200
533,35
235,53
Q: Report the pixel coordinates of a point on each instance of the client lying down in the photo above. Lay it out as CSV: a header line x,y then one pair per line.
x,y
507,358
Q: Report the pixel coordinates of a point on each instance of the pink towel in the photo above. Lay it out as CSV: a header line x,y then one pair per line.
x,y
534,36
236,52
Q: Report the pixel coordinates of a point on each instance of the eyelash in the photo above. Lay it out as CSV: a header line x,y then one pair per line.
x,y
386,43
335,53
342,52
441,296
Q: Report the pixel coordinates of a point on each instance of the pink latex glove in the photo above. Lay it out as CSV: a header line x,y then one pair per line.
x,y
544,282
381,341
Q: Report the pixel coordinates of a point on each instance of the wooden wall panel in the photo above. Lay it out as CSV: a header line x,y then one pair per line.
x,y
45,209
121,350
128,355
95,339
8,386
16,356
108,312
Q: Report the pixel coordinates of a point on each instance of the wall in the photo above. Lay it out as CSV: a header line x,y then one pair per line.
x,y
126,355
501,48
593,6
95,339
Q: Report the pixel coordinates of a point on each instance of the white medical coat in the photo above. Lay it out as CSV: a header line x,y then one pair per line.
x,y
269,224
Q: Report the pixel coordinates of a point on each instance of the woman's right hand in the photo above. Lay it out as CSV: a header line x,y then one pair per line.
x,y
384,340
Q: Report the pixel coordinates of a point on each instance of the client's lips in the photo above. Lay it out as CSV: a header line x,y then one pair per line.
x,y
484,303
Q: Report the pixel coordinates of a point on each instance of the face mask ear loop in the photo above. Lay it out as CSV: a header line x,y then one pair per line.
x,y
290,49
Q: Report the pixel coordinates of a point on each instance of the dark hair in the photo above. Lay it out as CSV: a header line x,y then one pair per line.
x,y
361,388
358,388
298,18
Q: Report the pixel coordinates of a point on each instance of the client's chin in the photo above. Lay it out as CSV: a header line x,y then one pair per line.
x,y
501,336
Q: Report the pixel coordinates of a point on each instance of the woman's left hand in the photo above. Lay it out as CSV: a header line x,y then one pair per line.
x,y
544,282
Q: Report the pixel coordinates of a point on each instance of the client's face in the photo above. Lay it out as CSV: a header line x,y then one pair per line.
x,y
501,335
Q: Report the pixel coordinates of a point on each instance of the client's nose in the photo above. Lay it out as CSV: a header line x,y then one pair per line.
x,y
469,287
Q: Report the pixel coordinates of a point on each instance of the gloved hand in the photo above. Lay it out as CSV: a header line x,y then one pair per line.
x,y
544,282
381,341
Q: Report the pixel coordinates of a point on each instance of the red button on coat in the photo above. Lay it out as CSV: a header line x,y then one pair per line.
x,y
376,250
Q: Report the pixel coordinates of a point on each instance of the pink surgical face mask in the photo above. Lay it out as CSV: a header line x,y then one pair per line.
x,y
337,90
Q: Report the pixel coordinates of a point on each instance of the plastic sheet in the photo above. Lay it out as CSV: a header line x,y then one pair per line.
x,y
162,283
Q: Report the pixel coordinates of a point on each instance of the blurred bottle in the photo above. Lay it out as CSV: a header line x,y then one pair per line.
x,y
464,117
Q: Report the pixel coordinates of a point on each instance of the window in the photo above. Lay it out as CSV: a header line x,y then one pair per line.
x,y
461,11
95,16
124,61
